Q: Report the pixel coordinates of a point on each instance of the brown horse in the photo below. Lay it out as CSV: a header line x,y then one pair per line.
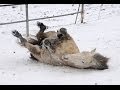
x,y
52,51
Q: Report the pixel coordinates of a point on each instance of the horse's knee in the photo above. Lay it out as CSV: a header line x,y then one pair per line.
x,y
33,58
33,41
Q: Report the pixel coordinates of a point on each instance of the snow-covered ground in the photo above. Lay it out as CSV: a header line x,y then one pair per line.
x,y
104,34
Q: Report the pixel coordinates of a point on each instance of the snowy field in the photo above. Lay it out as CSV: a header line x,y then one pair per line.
x,y
104,34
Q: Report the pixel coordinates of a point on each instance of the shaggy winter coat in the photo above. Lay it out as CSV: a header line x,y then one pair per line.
x,y
58,56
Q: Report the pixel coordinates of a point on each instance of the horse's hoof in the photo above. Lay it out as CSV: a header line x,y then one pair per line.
x,y
16,33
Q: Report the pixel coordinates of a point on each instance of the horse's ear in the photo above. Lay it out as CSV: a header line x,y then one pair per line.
x,y
93,51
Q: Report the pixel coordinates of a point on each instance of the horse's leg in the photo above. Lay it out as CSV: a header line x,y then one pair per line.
x,y
34,49
32,57
18,35
33,41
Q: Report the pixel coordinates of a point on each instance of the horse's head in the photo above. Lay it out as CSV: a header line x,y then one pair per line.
x,y
96,60
100,60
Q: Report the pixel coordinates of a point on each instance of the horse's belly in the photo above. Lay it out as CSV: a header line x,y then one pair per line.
x,y
47,58
69,47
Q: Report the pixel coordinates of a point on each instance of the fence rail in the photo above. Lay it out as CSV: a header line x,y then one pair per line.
x,y
10,5
27,17
39,18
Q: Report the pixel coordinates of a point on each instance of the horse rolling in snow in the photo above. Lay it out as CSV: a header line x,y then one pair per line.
x,y
68,44
52,52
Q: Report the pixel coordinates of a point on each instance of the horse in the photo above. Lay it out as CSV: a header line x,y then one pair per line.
x,y
52,52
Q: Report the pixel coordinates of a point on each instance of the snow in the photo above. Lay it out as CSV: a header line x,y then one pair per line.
x,y
104,34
